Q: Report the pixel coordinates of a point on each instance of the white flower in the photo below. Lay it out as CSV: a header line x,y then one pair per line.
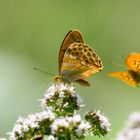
x,y
72,89
82,129
58,123
104,121
129,134
61,94
12,135
51,137
61,87
76,118
79,101
134,120
32,121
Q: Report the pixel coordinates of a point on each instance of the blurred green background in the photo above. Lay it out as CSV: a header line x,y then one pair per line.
x,y
31,32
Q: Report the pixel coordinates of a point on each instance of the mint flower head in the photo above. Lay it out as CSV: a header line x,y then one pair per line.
x,y
100,124
32,125
62,98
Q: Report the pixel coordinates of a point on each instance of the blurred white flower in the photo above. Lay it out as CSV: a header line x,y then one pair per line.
x,y
129,134
132,128
134,120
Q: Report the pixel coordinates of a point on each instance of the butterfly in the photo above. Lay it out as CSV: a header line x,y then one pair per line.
x,y
132,76
76,60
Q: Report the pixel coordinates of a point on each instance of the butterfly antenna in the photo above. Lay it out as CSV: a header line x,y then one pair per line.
x,y
116,64
43,71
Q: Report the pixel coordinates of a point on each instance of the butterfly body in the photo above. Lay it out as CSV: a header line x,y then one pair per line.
x,y
77,60
132,76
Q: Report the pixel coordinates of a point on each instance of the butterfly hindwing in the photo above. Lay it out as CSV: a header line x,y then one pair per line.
x,y
80,62
73,36
130,77
83,82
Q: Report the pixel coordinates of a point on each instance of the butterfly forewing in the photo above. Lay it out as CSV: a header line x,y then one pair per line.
x,y
80,62
73,36
133,62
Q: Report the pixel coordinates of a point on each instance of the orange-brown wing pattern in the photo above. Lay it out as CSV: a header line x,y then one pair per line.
x,y
73,36
133,62
80,62
130,77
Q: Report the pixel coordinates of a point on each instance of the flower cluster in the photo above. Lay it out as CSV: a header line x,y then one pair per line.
x,y
132,128
59,119
32,126
100,124
63,99
67,128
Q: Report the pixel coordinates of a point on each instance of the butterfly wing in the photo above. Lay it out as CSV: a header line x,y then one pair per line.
x,y
83,82
73,36
133,62
79,62
131,78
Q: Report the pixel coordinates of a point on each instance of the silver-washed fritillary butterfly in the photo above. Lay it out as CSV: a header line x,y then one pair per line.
x,y
77,60
132,76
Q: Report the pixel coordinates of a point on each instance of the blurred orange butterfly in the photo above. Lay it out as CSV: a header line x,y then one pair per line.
x,y
132,76
76,60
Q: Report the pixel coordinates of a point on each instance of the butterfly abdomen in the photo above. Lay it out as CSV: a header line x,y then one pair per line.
x,y
135,76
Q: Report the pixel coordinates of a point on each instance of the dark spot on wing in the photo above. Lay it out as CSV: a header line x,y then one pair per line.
x,y
89,54
74,49
77,53
90,49
85,50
